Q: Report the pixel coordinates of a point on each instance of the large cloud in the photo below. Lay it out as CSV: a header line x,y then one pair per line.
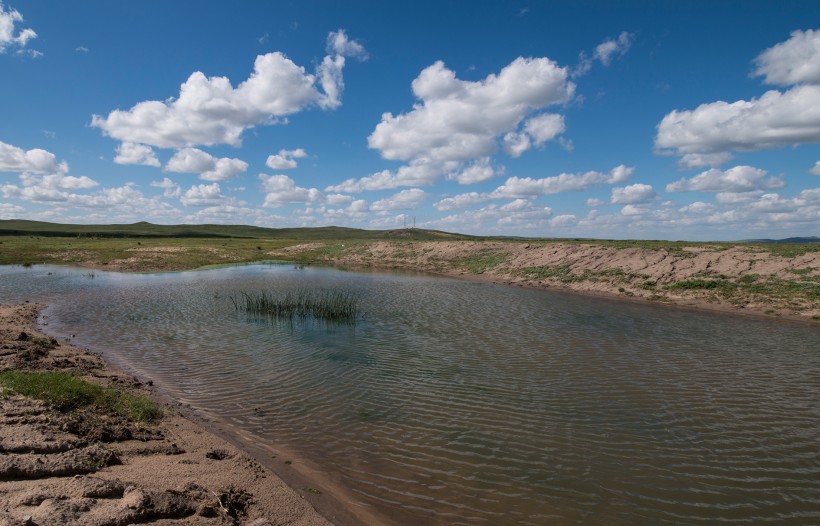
x,y
774,119
794,61
459,120
457,124
14,159
209,110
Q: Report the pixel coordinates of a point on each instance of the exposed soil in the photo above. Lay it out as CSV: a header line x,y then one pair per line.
x,y
86,468
740,278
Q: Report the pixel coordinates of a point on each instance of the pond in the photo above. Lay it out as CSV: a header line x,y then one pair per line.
x,y
453,402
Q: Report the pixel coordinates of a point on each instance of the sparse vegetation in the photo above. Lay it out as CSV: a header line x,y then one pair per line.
x,y
565,274
561,273
804,287
483,261
67,392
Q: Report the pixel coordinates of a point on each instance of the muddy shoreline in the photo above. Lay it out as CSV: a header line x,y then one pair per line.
x,y
98,469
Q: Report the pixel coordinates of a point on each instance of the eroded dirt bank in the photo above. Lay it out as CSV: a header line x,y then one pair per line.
x,y
95,468
737,278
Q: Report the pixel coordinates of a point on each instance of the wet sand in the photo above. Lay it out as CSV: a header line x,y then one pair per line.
x,y
69,468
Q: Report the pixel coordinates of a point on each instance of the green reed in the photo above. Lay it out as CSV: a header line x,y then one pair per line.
x,y
326,305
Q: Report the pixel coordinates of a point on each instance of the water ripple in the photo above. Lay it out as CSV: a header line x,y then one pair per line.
x,y
461,403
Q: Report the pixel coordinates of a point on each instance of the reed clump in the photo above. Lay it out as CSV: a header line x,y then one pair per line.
x,y
325,305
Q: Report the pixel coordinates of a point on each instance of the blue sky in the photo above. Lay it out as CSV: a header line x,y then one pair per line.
x,y
655,120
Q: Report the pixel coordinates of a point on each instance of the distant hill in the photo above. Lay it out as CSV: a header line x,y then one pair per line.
x,y
812,239
18,227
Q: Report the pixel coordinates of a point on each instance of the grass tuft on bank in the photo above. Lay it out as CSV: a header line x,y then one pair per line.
x,y
67,392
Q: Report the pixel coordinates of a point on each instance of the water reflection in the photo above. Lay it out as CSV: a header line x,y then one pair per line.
x,y
463,403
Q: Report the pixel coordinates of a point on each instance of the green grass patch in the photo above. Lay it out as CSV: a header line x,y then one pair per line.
x,y
704,284
562,273
482,261
802,288
325,305
67,392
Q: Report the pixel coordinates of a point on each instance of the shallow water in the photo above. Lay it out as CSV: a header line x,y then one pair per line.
x,y
454,402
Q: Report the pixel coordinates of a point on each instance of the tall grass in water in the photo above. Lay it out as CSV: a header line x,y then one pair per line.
x,y
325,305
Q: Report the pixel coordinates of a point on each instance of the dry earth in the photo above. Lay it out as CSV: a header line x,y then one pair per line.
x,y
96,469
739,278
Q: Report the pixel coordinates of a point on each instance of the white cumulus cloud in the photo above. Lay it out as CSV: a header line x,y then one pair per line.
x,y
10,38
775,119
633,194
480,170
203,195
285,159
566,182
14,159
171,189
458,120
457,124
132,153
461,201
815,169
281,189
10,211
209,168
794,61
404,200
736,179
209,110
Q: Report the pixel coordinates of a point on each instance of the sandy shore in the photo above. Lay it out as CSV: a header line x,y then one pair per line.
x,y
69,468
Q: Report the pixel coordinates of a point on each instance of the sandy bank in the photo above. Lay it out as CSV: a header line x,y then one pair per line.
x,y
739,279
99,469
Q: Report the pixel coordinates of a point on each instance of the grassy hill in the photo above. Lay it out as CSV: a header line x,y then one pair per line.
x,y
18,227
